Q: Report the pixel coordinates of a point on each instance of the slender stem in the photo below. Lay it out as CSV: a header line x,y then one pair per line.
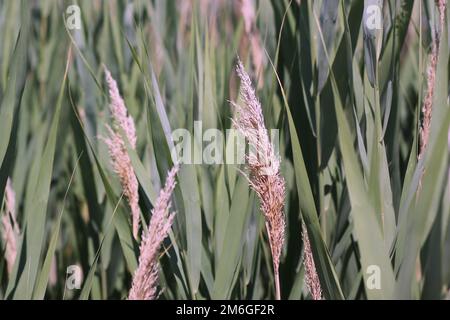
x,y
277,283
276,273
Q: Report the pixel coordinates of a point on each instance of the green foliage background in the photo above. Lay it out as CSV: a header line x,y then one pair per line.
x,y
349,148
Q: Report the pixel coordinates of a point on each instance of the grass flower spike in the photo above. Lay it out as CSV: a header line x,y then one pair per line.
x,y
312,279
427,106
121,162
264,166
10,227
428,100
145,280
119,111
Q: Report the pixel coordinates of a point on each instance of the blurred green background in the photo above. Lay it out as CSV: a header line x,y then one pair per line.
x,y
346,99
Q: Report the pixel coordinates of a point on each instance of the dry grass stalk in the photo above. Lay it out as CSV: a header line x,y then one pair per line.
x,y
145,279
10,227
264,166
121,162
251,38
312,279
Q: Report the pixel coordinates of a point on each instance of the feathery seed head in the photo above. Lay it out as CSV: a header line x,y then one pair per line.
x,y
118,152
431,77
264,165
428,100
312,279
145,279
119,111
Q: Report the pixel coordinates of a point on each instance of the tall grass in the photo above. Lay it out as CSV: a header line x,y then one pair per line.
x,y
364,216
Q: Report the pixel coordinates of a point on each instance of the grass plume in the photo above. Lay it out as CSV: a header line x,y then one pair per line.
x,y
145,279
427,106
264,166
311,277
121,162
